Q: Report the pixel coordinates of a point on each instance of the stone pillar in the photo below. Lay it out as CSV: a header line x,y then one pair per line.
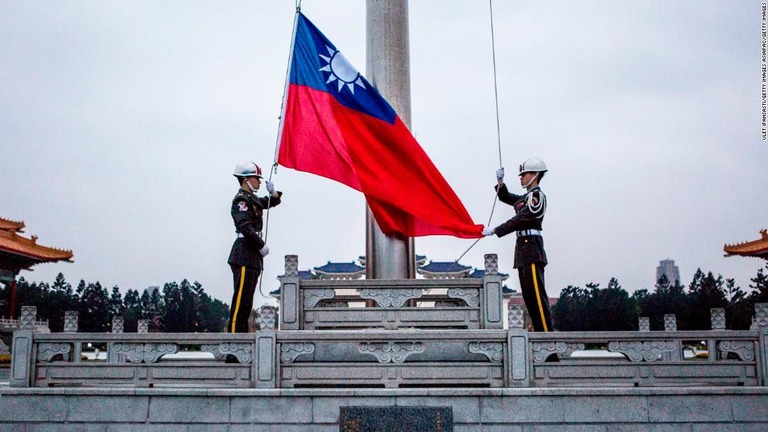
x,y
491,303
717,318
388,69
516,317
761,319
670,322
266,317
761,314
143,326
21,357
290,295
518,355
643,324
118,324
28,318
70,321
264,370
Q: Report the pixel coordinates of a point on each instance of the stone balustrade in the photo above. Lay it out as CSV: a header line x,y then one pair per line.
x,y
9,325
494,358
391,304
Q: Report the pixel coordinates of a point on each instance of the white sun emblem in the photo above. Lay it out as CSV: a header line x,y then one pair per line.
x,y
341,70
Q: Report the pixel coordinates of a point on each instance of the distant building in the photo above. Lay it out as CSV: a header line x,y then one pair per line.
x,y
444,270
425,268
668,268
344,270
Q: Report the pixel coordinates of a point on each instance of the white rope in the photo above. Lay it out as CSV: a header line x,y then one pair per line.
x,y
273,168
495,86
498,125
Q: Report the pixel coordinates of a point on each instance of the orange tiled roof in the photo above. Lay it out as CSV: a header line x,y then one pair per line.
x,y
9,225
13,243
757,248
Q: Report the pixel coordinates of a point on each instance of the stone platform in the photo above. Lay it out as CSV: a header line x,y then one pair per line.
x,y
395,344
317,410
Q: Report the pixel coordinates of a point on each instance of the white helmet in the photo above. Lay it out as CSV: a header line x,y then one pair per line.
x,y
247,169
533,165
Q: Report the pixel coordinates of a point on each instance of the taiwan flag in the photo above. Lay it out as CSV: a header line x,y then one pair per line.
x,y
336,125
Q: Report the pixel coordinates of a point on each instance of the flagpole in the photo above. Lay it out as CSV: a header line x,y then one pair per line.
x,y
273,168
287,83
388,69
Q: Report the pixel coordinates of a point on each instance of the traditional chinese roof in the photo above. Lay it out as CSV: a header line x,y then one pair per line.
x,y
10,225
340,271
507,291
756,248
444,270
306,274
420,260
303,275
479,274
21,253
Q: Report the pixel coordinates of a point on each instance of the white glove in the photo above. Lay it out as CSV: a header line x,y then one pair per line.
x,y
264,251
499,175
488,231
270,188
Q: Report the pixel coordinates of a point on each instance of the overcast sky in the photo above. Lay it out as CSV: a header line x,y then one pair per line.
x,y
121,123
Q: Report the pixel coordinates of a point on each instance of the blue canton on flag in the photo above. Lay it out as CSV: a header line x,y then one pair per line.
x,y
318,64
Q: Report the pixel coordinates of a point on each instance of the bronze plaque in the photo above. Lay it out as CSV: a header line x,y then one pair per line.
x,y
396,419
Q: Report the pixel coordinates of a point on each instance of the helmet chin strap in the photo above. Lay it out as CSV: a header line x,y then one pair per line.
x,y
248,182
535,176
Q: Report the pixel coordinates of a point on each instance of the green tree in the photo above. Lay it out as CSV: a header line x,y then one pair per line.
x,y
738,313
611,309
595,308
61,298
133,310
116,306
213,313
184,307
170,315
706,292
759,287
189,313
666,299
27,294
94,308
570,311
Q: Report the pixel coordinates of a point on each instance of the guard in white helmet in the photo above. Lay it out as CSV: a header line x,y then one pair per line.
x,y
248,251
530,257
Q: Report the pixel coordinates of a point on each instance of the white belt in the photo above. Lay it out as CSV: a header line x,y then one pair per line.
x,y
528,232
240,235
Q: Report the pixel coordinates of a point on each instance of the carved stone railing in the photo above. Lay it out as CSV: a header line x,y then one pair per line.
x,y
391,304
9,325
144,360
648,358
404,358
382,358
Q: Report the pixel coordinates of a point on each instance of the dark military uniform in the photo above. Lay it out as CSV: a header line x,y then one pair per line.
x,y
530,257
245,258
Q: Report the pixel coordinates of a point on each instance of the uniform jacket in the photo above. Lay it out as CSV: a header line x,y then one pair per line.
x,y
529,214
247,211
